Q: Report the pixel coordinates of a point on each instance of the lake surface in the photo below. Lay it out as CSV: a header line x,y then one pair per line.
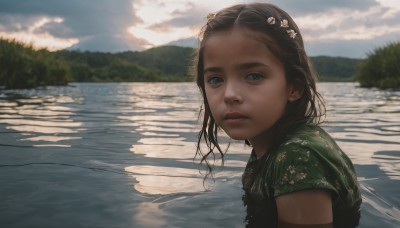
x,y
121,155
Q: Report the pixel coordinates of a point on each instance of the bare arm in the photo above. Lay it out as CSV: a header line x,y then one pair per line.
x,y
307,208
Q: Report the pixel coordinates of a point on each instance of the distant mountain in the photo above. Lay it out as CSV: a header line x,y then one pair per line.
x,y
25,67
335,68
172,63
192,42
172,60
176,60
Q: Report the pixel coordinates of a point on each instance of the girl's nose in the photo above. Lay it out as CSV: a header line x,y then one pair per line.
x,y
232,94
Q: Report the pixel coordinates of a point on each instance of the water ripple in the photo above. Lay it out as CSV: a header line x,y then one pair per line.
x,y
145,133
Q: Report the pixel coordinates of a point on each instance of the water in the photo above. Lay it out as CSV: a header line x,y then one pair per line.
x,y
121,155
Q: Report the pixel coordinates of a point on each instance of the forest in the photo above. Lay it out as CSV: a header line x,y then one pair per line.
x,y
21,66
381,68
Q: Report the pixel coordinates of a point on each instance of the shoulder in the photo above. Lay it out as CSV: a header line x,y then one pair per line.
x,y
303,161
310,140
308,135
305,207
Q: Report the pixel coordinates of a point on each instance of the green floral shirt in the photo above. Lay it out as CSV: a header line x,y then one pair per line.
x,y
307,159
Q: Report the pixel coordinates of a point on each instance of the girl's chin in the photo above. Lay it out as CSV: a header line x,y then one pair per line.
x,y
236,134
237,137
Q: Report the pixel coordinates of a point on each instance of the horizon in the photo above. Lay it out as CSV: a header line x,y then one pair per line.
x,y
161,46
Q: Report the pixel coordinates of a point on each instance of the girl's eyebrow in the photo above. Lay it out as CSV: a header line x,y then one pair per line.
x,y
249,65
212,69
242,66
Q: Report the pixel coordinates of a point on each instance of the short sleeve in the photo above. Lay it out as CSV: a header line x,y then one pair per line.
x,y
299,166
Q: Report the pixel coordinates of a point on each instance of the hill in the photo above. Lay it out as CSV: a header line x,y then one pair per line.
x,y
335,69
23,67
160,64
176,61
171,60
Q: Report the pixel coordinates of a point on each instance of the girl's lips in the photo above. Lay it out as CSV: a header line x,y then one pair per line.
x,y
234,115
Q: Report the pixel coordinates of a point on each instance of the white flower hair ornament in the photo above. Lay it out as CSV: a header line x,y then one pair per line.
x,y
284,24
292,34
271,20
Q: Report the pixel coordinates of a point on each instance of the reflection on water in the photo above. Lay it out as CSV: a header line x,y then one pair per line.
x,y
41,118
164,137
150,215
365,122
166,180
124,152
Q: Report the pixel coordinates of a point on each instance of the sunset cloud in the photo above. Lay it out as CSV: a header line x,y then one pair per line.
x,y
333,27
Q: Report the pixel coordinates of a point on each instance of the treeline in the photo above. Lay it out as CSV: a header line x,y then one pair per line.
x,y
335,69
172,63
163,64
381,68
23,67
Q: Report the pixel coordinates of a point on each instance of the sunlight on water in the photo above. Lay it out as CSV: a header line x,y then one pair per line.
x,y
166,180
44,130
162,137
365,122
8,104
125,152
150,215
50,138
179,151
42,118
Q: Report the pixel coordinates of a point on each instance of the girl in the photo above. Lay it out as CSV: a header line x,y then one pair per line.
x,y
258,86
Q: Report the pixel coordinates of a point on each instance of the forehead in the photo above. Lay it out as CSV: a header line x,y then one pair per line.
x,y
235,34
237,45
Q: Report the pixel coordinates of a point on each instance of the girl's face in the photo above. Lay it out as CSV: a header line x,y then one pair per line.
x,y
245,85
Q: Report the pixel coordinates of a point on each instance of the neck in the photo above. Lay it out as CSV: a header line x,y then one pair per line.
x,y
262,143
260,146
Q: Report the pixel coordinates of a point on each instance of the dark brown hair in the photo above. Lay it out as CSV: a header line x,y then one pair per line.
x,y
309,108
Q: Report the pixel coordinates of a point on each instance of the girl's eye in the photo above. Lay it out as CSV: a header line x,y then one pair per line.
x,y
215,80
254,77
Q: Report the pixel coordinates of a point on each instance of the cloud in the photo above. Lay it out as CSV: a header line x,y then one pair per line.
x,y
83,20
34,33
348,48
119,43
167,22
192,18
349,32
299,8
105,25
350,25
161,23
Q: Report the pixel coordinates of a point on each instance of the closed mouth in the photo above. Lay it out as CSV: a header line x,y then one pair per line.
x,y
234,115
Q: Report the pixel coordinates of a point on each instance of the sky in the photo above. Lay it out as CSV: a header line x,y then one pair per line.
x,y
329,27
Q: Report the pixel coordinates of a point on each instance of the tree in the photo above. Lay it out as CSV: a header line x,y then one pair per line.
x,y
23,67
381,68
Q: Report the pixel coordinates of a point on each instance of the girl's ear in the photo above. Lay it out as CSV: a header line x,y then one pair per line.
x,y
294,93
